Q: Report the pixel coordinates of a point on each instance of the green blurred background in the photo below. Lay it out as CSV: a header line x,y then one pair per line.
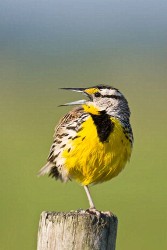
x,y
45,45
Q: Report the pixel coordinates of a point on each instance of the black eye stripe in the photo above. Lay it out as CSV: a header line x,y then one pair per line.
x,y
97,94
112,96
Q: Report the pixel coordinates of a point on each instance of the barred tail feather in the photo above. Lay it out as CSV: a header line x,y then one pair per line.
x,y
46,169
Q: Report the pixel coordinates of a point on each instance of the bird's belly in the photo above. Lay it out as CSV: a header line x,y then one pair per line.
x,y
91,161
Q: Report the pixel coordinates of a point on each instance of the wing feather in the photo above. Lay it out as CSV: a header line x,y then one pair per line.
x,y
66,129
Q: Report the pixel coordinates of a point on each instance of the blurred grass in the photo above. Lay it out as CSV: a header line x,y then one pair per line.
x,y
34,64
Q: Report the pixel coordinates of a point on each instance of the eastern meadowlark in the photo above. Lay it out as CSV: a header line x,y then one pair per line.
x,y
93,142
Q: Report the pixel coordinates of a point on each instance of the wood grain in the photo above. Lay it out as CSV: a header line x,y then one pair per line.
x,y
77,230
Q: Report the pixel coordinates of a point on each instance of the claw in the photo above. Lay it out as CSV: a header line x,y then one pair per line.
x,y
93,211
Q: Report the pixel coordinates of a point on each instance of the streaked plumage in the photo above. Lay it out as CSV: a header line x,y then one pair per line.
x,y
93,142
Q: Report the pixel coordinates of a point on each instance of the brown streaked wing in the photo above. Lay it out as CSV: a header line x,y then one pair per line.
x,y
70,116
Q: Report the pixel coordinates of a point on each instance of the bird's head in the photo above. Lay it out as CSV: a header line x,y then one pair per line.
x,y
102,98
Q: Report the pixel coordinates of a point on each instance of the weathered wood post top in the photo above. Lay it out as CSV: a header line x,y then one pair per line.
x,y
77,230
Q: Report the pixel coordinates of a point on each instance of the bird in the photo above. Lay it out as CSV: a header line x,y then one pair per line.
x,y
93,142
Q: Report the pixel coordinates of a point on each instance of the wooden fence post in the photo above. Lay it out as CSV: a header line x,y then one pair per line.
x,y
77,230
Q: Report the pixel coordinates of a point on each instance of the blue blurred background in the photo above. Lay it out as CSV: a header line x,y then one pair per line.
x,y
45,45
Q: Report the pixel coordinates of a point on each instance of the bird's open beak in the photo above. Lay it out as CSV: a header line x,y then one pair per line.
x,y
80,102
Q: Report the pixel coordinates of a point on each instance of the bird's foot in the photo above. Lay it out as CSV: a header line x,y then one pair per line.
x,y
93,210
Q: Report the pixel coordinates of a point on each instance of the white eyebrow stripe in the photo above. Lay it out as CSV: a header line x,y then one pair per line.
x,y
110,92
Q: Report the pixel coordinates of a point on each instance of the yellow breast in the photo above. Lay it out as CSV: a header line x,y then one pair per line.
x,y
91,161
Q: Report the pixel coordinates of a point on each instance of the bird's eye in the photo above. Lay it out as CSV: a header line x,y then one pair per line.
x,y
97,94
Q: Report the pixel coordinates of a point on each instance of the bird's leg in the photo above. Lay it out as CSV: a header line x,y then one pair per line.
x,y
92,206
